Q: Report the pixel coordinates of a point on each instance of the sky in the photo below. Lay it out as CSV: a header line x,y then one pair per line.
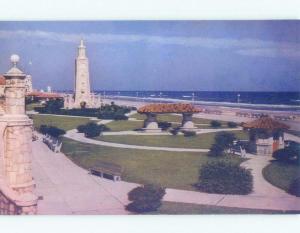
x,y
158,55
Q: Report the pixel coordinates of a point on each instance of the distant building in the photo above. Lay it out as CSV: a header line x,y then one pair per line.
x,y
82,96
2,85
28,84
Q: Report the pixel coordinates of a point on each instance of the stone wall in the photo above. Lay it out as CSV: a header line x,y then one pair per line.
x,y
9,205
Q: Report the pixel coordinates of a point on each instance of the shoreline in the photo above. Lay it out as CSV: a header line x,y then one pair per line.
x,y
246,106
222,113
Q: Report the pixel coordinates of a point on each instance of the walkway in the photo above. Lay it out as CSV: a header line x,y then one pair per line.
x,y
68,189
143,133
72,134
264,195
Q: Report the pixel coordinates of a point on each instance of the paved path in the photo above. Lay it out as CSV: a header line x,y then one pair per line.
x,y
72,134
292,137
143,133
264,195
69,189
57,115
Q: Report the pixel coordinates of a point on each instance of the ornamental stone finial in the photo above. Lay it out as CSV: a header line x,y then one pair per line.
x,y
14,59
15,71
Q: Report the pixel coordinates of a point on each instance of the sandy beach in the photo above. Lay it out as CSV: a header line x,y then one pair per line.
x,y
220,112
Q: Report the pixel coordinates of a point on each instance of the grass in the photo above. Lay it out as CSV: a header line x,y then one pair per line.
x,y
124,125
169,169
281,174
61,122
185,208
174,118
202,141
30,107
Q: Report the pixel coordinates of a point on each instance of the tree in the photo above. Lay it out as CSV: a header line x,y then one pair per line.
x,y
53,105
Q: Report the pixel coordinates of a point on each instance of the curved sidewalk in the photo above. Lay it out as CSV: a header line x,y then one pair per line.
x,y
72,134
264,195
69,189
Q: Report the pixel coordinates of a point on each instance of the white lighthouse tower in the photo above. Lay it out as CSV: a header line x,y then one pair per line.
x,y
82,79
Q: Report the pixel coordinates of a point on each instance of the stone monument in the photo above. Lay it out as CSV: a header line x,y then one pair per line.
x,y
82,96
16,181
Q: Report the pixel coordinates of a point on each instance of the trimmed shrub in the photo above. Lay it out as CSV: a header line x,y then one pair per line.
x,y
118,117
225,178
51,130
250,147
189,133
215,124
216,150
164,125
145,198
174,131
225,139
231,124
81,128
294,188
287,154
92,130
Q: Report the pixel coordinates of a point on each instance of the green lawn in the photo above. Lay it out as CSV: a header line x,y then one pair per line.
x,y
30,107
184,208
62,122
203,141
281,174
170,169
174,118
124,125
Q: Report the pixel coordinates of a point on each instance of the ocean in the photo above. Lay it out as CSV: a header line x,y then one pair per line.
x,y
288,101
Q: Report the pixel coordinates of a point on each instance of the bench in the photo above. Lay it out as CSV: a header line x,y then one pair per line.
x,y
53,143
110,169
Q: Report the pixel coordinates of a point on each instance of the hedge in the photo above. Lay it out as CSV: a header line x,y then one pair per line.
x,y
225,178
145,198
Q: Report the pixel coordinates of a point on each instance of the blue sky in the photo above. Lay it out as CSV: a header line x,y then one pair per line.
x,y
159,55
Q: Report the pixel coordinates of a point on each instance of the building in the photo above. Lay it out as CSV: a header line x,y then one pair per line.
x,y
28,84
82,96
2,85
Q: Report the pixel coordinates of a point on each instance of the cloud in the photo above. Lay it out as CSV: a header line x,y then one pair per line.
x,y
247,47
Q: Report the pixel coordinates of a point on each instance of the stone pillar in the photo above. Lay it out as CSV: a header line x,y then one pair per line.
x,y
17,138
187,122
264,146
150,124
281,142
